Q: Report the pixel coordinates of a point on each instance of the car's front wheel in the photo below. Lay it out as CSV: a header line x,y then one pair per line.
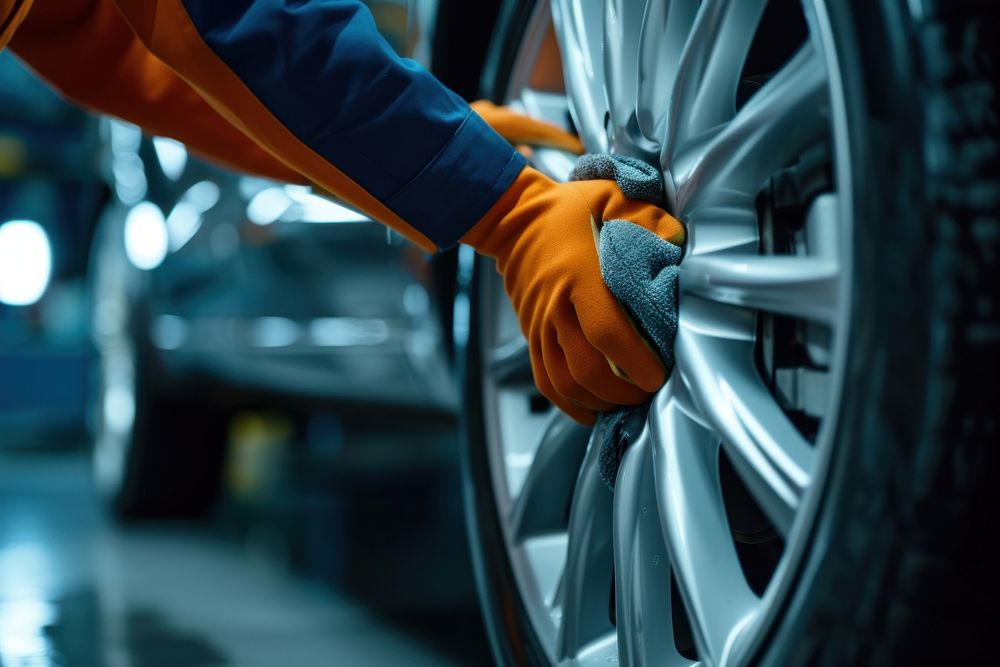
x,y
807,486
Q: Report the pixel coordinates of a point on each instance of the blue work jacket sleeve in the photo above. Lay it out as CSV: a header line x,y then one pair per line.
x,y
317,86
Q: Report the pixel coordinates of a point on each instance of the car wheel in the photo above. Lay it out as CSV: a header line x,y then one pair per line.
x,y
811,485
158,446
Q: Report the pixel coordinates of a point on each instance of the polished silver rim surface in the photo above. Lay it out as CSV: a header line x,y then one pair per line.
x,y
690,558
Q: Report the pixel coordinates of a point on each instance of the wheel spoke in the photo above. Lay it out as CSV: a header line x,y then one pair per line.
x,y
542,505
823,227
547,556
622,22
704,92
772,458
580,30
717,598
775,126
798,286
665,28
586,584
511,364
722,227
642,568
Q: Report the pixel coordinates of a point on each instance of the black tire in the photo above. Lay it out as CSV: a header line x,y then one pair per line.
x,y
907,576
172,452
175,461
512,637
901,568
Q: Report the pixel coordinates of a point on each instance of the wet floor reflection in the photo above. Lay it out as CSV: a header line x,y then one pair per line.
x,y
139,637
76,589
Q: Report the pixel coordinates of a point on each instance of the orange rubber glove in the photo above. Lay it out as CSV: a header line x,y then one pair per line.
x,y
542,235
520,129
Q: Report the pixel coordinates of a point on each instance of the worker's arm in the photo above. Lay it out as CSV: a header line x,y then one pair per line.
x,y
87,51
314,84
317,86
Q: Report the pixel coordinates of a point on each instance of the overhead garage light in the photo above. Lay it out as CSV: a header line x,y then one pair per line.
x,y
183,223
25,262
267,206
203,195
313,208
296,203
185,218
146,235
172,156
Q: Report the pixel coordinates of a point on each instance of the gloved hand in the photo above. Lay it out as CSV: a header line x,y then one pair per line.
x,y
542,235
520,129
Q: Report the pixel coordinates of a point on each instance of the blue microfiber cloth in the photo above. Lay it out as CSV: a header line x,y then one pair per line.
x,y
641,271
635,178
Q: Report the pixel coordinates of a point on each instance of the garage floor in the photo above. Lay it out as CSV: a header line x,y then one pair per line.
x,y
78,589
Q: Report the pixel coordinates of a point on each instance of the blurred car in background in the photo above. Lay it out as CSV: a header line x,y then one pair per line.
x,y
214,291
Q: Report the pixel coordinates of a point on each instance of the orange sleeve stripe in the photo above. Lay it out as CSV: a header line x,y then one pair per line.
x,y
12,13
86,51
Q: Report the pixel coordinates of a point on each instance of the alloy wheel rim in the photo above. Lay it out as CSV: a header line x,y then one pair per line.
x,y
650,80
